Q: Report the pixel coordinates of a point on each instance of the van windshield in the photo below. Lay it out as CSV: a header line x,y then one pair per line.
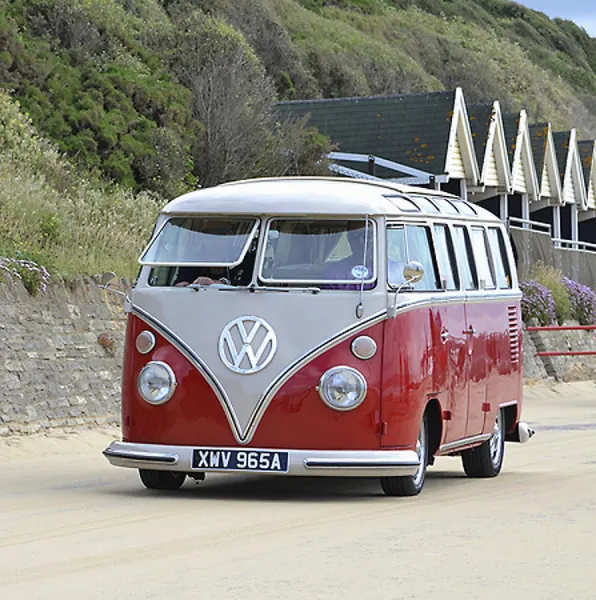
x,y
311,251
200,241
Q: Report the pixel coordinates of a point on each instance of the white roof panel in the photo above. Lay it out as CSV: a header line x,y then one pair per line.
x,y
316,196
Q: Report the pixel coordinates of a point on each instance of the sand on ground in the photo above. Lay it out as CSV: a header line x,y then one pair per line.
x,y
74,527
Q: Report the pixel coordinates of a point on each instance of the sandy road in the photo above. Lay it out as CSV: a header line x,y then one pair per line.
x,y
72,527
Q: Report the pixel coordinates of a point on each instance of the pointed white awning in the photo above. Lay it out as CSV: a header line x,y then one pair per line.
x,y
547,167
524,174
488,132
572,174
461,161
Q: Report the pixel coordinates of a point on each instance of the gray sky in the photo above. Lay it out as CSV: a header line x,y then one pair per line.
x,y
583,12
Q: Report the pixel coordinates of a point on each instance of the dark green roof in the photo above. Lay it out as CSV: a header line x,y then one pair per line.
x,y
410,129
539,137
586,154
480,116
511,125
561,139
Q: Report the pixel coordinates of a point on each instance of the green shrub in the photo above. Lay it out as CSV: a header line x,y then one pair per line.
x,y
552,279
34,277
53,216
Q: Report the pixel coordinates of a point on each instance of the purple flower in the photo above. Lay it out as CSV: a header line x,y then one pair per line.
x,y
33,276
583,302
537,302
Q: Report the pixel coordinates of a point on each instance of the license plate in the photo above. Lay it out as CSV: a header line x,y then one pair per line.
x,y
240,460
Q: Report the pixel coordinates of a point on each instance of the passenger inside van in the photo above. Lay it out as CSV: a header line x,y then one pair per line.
x,y
208,277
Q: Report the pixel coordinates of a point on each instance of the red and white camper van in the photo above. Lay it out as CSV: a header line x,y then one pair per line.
x,y
313,326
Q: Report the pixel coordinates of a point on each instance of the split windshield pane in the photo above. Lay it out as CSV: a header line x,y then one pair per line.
x,y
312,251
201,241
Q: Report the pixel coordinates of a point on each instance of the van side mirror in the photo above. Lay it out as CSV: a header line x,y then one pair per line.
x,y
413,272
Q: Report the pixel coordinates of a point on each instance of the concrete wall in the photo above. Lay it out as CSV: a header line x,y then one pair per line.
x,y
57,375
533,246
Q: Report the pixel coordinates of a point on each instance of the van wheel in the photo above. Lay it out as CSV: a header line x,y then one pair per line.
x,y
486,460
161,480
410,485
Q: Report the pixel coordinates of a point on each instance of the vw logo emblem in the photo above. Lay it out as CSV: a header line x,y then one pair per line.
x,y
247,345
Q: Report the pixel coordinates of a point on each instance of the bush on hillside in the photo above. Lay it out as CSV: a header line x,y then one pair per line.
x,y
52,215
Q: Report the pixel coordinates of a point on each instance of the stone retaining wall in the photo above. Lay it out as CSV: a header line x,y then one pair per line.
x,y
562,368
62,357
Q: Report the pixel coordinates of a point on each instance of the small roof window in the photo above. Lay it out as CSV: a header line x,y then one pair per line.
x,y
404,204
466,209
426,204
447,207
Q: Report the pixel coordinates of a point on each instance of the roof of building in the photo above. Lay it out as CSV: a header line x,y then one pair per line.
x,y
410,129
511,126
539,136
586,154
561,139
323,196
480,119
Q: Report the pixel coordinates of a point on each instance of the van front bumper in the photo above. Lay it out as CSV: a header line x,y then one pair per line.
x,y
328,463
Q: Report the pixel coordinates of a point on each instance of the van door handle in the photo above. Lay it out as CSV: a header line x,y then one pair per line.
x,y
469,331
444,335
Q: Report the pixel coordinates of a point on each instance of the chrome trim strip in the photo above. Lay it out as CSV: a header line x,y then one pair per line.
x,y
156,457
292,369
464,442
453,297
353,463
198,363
331,463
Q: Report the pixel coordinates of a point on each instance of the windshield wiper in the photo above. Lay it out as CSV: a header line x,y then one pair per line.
x,y
254,288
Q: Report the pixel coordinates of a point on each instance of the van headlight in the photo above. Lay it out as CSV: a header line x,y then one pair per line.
x,y
342,388
157,382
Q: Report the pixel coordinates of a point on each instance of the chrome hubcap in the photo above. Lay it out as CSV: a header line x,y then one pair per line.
x,y
496,445
421,452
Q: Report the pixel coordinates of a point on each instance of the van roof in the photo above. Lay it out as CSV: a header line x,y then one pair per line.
x,y
318,196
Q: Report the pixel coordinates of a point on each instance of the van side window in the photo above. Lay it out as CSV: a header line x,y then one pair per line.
x,y
405,244
446,257
483,265
463,250
497,245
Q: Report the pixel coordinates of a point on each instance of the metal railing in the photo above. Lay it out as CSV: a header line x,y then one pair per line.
x,y
574,245
564,328
528,225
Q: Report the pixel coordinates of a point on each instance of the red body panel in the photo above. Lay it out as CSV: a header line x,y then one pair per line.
x,y
296,417
413,365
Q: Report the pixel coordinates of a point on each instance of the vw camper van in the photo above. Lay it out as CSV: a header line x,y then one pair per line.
x,y
321,327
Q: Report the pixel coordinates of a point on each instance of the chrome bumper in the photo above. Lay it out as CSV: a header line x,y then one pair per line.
x,y
328,463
